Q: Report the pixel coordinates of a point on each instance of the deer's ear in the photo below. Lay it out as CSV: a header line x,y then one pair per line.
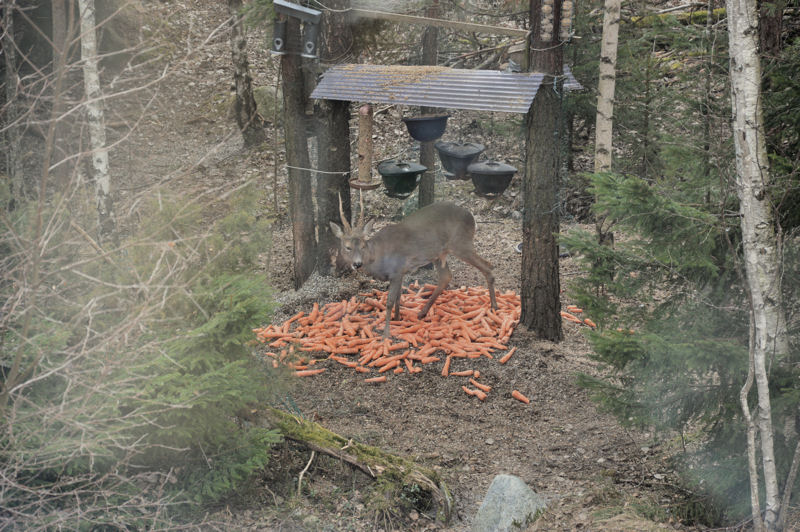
x,y
337,231
368,227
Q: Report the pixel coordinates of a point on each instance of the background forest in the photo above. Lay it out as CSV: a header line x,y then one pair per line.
x,y
130,377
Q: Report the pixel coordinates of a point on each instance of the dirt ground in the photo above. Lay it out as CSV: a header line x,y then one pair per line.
x,y
594,474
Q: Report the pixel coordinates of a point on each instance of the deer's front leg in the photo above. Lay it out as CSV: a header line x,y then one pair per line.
x,y
393,302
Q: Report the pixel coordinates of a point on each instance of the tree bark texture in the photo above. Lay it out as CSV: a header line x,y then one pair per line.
x,y
605,87
336,42
427,152
11,115
759,239
301,206
250,123
96,117
540,291
62,12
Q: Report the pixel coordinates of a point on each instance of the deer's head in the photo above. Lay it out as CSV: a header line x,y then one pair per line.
x,y
352,237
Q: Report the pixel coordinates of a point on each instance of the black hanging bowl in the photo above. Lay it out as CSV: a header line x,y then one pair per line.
x,y
400,177
457,156
426,128
491,178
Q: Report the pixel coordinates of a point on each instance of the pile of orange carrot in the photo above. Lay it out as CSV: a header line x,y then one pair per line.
x,y
460,326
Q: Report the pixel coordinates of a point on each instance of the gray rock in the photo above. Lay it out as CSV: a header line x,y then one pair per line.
x,y
509,505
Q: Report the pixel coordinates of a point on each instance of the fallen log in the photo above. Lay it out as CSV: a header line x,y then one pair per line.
x,y
397,475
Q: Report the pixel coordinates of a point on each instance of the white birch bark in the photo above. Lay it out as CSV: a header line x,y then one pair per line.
x,y
606,86
759,239
97,130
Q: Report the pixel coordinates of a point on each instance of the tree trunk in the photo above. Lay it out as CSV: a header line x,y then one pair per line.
x,y
97,128
541,287
11,115
63,27
427,152
605,87
336,40
251,124
759,239
301,206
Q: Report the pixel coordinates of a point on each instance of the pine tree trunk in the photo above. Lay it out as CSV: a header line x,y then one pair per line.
x,y
541,287
97,128
336,41
251,124
301,206
605,87
759,239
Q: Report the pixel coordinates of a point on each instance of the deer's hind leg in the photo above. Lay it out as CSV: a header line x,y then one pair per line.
x,y
470,257
444,278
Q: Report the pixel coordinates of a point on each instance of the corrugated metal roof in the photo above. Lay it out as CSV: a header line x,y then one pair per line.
x,y
432,86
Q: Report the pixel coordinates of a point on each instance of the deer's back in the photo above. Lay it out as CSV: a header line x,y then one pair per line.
x,y
421,237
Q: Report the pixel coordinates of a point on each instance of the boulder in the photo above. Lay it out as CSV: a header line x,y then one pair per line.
x,y
509,505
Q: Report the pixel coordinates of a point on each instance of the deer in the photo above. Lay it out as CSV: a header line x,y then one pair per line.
x,y
428,235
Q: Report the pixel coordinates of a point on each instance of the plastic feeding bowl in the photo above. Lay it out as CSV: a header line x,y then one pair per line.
x,y
400,177
491,178
457,156
426,128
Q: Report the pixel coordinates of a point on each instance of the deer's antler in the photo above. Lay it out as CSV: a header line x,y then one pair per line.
x,y
345,223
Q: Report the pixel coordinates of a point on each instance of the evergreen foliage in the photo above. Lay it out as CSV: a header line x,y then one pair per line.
x,y
668,297
135,365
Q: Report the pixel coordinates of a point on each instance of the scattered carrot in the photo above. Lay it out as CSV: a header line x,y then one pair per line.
x,y
507,356
519,397
446,367
381,378
477,393
590,323
465,373
570,317
477,374
308,372
483,387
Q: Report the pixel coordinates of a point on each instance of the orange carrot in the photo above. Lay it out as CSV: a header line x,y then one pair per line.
x,y
362,369
398,369
465,373
590,323
308,372
507,356
477,374
484,387
477,393
386,367
381,378
446,367
570,317
519,397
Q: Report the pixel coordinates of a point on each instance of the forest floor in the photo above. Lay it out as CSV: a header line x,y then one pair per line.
x,y
594,474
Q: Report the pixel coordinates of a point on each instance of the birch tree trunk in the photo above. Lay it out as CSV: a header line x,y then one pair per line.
x,y
605,87
250,123
759,239
97,128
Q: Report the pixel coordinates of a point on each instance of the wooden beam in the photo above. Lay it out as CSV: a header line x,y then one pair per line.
x,y
441,23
